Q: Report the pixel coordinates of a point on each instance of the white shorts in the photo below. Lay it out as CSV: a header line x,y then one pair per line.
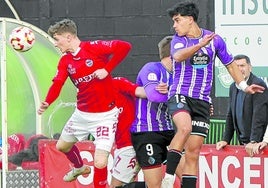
x,y
125,166
101,125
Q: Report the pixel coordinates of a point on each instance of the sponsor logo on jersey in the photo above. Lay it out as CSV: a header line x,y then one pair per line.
x,y
70,69
106,43
94,42
86,78
200,124
200,60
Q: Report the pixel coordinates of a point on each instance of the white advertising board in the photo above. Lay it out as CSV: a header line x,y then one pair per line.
x,y
243,24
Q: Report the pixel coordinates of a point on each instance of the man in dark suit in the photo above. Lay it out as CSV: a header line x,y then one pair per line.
x,y
247,113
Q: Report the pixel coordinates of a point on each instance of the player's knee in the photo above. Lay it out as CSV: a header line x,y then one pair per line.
x,y
193,155
101,158
100,162
186,130
60,147
63,146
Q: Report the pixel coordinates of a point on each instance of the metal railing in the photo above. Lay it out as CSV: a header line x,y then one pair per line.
x,y
216,131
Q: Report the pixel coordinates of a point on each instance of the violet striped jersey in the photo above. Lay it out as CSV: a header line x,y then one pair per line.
x,y
152,116
194,76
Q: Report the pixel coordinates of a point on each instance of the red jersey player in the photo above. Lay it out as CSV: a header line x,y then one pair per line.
x,y
88,64
125,166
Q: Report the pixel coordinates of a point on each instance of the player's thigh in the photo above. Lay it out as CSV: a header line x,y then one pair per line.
x,y
125,166
115,183
151,147
103,128
153,176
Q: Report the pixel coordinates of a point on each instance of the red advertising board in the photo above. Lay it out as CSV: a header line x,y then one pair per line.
x,y
230,167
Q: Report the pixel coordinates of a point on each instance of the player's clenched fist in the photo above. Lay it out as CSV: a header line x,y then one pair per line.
x,y
42,108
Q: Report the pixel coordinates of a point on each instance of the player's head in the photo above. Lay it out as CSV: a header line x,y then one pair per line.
x,y
164,47
65,34
63,26
184,9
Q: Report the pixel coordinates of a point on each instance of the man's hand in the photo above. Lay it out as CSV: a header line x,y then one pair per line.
x,y
100,74
206,39
249,149
42,108
162,88
258,147
221,144
254,88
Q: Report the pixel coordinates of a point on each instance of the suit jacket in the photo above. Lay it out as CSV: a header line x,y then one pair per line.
x,y
255,113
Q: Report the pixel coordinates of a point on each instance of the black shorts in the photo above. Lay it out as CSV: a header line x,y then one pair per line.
x,y
198,109
151,147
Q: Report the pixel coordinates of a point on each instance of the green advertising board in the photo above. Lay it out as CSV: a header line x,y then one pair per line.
x,y
223,79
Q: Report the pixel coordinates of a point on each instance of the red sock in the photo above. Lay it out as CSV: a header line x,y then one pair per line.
x,y
74,156
100,177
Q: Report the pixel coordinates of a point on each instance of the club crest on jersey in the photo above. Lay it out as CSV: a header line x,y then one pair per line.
x,y
89,62
200,60
152,77
151,160
180,105
70,69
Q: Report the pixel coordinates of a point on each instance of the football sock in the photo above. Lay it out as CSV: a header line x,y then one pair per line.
x,y
74,156
173,159
100,177
140,184
188,181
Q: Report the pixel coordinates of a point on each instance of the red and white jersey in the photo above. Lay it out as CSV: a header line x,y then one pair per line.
x,y
93,94
125,101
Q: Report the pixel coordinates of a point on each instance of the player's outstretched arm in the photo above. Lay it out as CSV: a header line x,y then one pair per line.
x,y
239,79
140,92
185,53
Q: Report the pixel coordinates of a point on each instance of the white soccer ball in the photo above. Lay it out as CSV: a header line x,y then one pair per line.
x,y
22,39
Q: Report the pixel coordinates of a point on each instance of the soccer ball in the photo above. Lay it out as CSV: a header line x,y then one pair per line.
x,y
22,39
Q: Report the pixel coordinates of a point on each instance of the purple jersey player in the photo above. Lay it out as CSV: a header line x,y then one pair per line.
x,y
152,116
193,51
193,77
152,130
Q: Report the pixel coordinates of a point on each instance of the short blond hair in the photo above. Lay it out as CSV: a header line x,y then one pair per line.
x,y
164,47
